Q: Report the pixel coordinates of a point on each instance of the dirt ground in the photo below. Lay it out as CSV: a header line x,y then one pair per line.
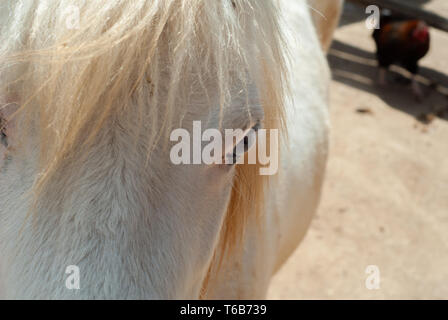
x,y
385,198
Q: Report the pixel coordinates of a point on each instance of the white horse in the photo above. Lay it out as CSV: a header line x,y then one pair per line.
x,y
89,94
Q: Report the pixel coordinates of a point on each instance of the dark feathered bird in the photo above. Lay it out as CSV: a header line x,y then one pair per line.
x,y
403,42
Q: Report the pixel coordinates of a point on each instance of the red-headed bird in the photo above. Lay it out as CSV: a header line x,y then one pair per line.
x,y
402,42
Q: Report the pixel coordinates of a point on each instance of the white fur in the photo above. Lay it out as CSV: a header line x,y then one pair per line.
x,y
143,232
293,199
325,14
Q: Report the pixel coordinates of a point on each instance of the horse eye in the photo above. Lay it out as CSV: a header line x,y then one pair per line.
x,y
3,136
245,144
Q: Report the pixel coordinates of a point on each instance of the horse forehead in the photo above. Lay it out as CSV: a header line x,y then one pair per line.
x,y
243,109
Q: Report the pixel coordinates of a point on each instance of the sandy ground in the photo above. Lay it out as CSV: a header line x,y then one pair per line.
x,y
385,198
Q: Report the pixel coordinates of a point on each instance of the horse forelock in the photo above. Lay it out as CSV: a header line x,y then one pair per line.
x,y
73,80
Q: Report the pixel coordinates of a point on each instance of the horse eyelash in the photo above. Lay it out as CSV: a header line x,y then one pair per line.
x,y
235,156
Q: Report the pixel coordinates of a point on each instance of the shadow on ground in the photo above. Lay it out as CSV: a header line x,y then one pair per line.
x,y
358,68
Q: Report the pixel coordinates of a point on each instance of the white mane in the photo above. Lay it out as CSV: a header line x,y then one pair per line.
x,y
99,86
